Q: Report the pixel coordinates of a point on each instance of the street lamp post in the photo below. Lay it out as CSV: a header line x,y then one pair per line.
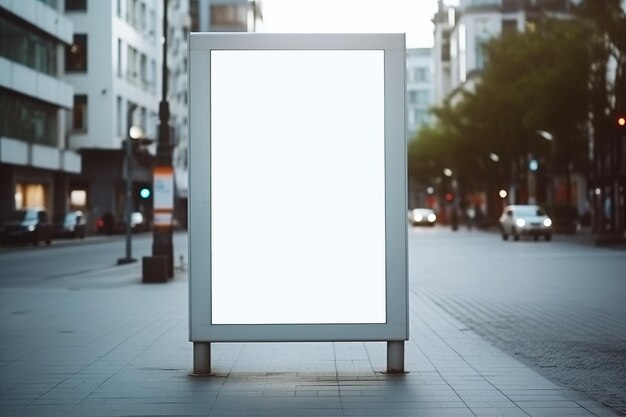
x,y
162,230
133,133
568,173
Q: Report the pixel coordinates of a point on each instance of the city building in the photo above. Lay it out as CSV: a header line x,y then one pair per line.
x,y
224,15
443,21
419,69
204,16
37,168
179,22
114,64
461,33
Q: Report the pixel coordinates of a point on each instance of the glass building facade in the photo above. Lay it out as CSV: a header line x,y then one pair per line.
x,y
28,119
28,47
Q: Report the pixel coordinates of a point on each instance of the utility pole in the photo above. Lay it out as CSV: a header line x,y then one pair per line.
x,y
163,192
129,185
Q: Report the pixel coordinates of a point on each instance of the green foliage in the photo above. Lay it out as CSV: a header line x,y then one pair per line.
x,y
606,24
534,80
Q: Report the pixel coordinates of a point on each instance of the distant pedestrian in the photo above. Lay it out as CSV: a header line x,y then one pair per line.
x,y
471,214
454,219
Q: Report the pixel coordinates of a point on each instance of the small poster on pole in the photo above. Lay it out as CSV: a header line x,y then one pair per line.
x,y
163,187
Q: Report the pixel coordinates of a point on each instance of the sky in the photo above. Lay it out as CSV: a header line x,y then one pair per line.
x,y
358,16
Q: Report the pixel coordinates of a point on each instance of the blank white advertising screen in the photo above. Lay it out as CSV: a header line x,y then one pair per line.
x,y
297,187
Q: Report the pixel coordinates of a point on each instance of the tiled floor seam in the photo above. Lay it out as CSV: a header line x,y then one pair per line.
x,y
441,315
337,378
128,361
437,370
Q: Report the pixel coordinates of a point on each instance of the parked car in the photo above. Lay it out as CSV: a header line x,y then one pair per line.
x,y
525,220
71,224
30,225
422,217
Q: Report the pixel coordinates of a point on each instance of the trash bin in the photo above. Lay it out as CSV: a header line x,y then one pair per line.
x,y
154,269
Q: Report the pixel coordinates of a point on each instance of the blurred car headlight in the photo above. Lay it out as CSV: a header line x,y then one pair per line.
x,y
31,227
547,222
417,217
432,218
520,222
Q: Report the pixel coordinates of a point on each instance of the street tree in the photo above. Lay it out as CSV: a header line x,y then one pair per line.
x,y
533,80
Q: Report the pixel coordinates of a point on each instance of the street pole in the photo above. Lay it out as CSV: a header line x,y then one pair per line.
x,y
129,187
162,230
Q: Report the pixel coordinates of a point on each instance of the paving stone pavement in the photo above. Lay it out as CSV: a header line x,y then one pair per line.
x,y
587,353
103,344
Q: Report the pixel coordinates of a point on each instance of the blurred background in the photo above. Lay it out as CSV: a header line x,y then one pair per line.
x,y
508,102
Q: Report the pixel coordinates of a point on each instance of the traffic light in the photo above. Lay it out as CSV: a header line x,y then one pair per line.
x,y
144,193
621,121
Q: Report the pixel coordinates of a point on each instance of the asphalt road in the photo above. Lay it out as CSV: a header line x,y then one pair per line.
x,y
559,306
65,258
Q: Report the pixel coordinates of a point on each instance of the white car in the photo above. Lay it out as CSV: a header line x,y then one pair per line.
x,y
422,217
525,220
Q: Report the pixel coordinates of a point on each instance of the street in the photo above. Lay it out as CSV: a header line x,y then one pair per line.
x,y
65,258
557,306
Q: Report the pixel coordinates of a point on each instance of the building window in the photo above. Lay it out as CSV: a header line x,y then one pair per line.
x,y
79,113
446,51
119,123
142,16
30,195
131,64
419,97
480,53
119,8
78,198
509,26
142,119
119,57
152,29
75,5
76,54
483,3
229,15
51,3
419,75
153,75
28,119
144,71
132,12
420,116
24,47
194,12
422,97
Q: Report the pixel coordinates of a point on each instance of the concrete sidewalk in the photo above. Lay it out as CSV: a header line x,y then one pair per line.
x,y
103,344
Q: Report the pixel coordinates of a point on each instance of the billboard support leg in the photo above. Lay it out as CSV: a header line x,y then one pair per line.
x,y
395,357
202,358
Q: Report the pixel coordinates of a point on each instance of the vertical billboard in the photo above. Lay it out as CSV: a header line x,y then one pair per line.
x,y
297,187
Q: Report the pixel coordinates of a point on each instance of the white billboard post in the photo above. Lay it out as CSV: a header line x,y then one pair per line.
x,y
297,190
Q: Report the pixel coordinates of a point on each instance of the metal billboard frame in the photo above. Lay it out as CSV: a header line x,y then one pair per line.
x,y
201,330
